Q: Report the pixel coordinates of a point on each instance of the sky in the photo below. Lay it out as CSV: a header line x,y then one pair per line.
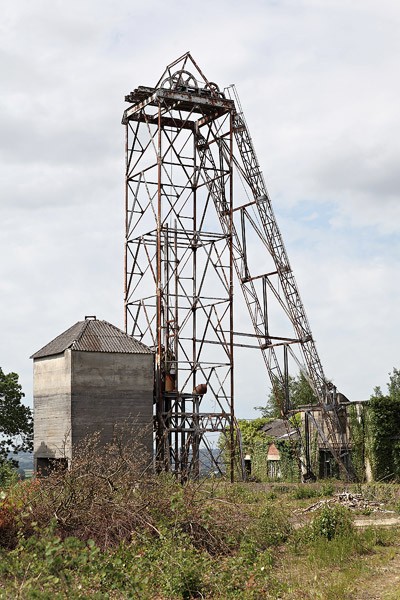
x,y
318,82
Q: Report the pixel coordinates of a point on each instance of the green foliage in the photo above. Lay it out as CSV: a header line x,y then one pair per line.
x,y
181,566
357,420
332,521
394,384
259,462
202,540
313,490
243,493
252,433
384,427
326,489
374,431
303,491
16,425
300,394
43,561
8,474
289,462
281,488
273,527
254,442
108,528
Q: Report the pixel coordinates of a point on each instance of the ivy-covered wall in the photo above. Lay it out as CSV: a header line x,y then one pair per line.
x,y
375,433
256,444
289,463
374,429
357,422
383,442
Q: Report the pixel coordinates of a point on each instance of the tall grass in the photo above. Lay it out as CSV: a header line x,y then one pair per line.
x,y
109,528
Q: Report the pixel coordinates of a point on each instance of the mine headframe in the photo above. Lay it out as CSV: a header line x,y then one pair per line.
x,y
188,148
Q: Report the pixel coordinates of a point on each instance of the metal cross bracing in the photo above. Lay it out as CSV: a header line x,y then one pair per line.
x,y
281,283
187,146
179,264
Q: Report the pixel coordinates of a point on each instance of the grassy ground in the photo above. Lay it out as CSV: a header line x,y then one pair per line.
x,y
116,532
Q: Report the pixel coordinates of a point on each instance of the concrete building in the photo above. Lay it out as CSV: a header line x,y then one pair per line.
x,y
87,380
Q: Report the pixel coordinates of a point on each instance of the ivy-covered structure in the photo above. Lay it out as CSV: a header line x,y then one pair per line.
x,y
302,451
278,447
318,456
283,449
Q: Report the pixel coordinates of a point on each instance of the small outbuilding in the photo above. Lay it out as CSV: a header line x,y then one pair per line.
x,y
88,379
278,429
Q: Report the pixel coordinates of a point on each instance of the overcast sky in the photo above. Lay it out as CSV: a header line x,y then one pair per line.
x,y
319,85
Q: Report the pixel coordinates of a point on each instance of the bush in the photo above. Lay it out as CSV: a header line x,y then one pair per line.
x,y
305,491
108,496
332,521
327,489
313,490
104,496
271,528
8,474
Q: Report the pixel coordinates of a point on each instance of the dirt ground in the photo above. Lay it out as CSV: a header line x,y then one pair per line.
x,y
384,582
382,521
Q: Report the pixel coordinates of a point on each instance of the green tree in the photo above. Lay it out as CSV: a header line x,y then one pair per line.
x,y
253,442
300,394
16,423
252,432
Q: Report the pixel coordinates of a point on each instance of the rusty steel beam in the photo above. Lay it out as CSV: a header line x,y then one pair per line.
x,y
179,262
187,142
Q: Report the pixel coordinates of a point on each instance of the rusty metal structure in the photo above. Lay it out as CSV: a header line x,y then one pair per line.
x,y
197,212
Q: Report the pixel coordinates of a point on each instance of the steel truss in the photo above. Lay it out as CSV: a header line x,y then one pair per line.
x,y
179,265
187,145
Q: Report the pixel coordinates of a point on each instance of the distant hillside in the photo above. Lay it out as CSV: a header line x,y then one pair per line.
x,y
25,460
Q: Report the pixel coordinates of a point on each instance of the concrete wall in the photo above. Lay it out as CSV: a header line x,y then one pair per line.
x,y
112,388
52,406
79,393
317,414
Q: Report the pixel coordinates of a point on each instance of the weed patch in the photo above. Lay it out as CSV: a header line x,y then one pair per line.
x,y
109,528
331,522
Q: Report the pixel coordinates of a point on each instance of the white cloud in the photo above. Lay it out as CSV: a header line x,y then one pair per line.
x,y
317,80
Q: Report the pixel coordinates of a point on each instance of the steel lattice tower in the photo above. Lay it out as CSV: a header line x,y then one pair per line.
x,y
188,155
179,266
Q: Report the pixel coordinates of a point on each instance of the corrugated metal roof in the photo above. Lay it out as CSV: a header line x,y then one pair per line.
x,y
92,335
278,428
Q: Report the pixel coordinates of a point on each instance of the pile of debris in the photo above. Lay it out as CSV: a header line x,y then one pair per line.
x,y
351,501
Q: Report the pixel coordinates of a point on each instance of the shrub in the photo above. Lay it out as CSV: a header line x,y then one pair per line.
x,y
281,488
8,524
305,491
243,493
8,474
327,488
332,521
110,497
271,528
